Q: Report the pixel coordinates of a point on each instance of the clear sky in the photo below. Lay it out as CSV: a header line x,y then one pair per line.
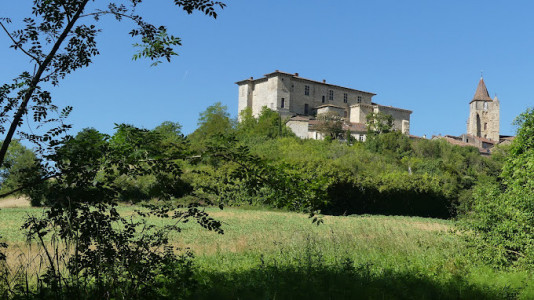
x,y
426,56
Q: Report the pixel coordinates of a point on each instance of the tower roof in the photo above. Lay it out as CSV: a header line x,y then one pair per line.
x,y
482,92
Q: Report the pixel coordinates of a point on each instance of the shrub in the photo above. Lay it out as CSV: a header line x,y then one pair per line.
x,y
501,224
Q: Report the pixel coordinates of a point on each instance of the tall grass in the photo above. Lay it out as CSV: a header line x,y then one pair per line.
x,y
282,255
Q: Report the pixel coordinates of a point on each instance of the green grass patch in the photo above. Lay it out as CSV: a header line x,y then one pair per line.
x,y
282,255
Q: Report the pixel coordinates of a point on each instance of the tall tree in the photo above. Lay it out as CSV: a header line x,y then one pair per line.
x,y
378,123
212,123
59,38
330,125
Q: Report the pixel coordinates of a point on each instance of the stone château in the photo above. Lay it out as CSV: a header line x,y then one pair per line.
x,y
301,99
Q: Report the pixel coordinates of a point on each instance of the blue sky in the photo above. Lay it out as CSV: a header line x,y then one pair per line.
x,y
426,56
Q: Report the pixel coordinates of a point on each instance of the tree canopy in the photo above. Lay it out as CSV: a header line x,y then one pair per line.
x,y
59,37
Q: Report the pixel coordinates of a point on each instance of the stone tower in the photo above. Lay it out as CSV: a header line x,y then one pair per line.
x,y
483,114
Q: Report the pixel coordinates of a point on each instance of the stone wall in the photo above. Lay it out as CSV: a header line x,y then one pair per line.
x,y
484,119
299,128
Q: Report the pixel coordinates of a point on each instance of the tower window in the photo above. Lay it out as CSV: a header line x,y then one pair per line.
x,y
485,126
283,103
330,95
359,99
345,98
306,90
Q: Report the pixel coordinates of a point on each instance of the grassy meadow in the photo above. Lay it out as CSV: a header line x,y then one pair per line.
x,y
281,255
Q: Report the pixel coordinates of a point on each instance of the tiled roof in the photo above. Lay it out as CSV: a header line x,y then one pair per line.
x,y
353,127
359,127
330,105
481,139
481,92
507,137
299,118
452,140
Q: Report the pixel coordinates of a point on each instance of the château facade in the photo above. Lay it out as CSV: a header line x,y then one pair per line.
x,y
301,99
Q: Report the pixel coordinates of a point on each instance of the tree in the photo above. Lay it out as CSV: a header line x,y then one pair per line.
x,y
59,39
269,124
90,249
212,123
379,123
18,162
501,224
330,125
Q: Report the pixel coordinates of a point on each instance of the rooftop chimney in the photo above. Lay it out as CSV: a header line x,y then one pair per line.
x,y
251,78
297,74
324,80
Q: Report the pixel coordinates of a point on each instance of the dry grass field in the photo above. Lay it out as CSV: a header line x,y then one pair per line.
x,y
14,201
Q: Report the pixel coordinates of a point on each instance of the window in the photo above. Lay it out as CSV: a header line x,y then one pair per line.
x,y
306,90
283,103
306,109
362,137
330,95
345,114
359,99
345,98
485,126
323,99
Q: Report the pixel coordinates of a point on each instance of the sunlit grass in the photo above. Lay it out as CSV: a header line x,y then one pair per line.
x,y
259,246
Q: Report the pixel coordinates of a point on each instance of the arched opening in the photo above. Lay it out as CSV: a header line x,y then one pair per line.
x,y
478,126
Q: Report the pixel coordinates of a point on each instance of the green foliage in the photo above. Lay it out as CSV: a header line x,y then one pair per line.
x,y
393,144
60,37
213,122
90,150
269,124
518,170
275,185
90,249
378,123
19,164
330,125
389,174
265,253
500,226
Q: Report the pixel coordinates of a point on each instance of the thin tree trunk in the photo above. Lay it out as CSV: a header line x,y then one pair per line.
x,y
35,81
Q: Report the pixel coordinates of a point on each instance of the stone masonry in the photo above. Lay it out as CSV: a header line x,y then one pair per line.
x,y
483,119
301,99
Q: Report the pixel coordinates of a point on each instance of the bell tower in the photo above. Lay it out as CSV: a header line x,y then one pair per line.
x,y
484,114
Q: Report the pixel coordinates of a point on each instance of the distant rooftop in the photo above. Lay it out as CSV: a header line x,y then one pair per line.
x,y
481,93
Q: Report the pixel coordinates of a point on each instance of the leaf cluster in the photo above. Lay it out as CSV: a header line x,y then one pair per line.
x,y
500,225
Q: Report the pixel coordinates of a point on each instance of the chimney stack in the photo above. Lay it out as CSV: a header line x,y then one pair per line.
x,y
297,74
324,80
